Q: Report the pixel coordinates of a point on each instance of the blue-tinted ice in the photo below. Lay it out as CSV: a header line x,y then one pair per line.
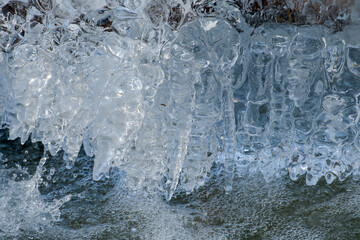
x,y
173,95
163,103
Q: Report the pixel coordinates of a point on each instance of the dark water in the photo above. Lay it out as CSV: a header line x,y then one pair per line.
x,y
281,209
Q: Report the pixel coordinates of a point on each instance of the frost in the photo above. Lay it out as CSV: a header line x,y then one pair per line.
x,y
164,91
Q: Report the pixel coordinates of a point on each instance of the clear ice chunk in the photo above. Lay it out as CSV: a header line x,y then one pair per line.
x,y
165,91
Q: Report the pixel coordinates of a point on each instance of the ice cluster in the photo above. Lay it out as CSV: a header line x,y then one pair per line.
x,y
163,90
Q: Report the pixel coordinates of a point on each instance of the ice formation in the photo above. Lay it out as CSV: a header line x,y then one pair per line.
x,y
165,89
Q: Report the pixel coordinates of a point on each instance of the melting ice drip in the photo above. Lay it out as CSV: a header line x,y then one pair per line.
x,y
163,100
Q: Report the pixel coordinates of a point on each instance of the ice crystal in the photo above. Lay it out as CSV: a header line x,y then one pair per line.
x,y
163,90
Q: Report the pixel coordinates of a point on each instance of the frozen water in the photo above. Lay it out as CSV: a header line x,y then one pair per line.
x,y
104,209
165,105
171,96
165,90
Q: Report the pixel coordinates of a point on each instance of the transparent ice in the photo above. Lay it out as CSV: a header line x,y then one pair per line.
x,y
164,92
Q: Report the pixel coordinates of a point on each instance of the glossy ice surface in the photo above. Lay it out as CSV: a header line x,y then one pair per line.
x,y
172,94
